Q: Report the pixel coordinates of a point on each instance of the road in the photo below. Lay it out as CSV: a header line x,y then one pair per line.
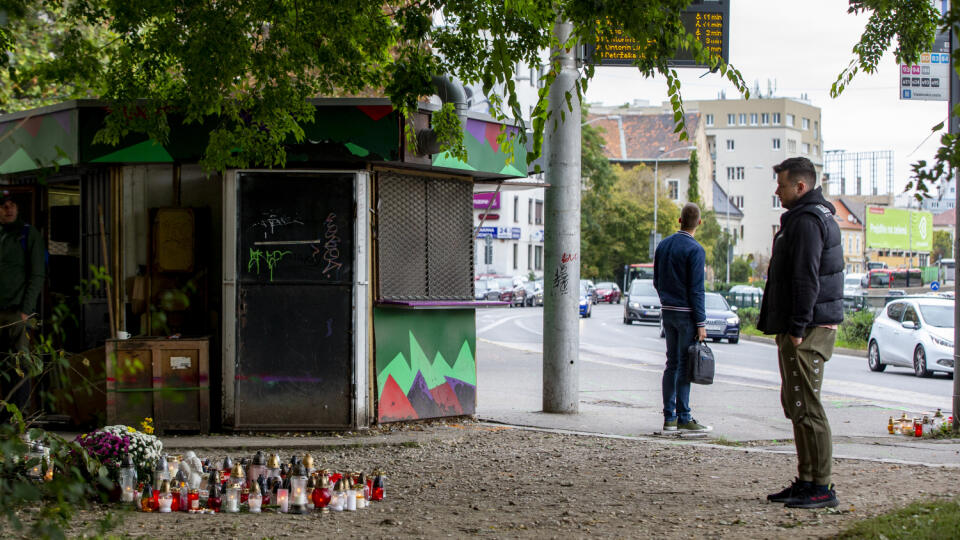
x,y
606,341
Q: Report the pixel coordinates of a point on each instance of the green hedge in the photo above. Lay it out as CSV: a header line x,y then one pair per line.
x,y
855,329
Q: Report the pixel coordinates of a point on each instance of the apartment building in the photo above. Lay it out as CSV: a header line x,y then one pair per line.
x,y
746,139
851,236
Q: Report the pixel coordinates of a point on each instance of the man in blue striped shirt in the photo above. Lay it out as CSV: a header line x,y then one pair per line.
x,y
678,275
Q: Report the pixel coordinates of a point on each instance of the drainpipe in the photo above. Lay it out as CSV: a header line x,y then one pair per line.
x,y
449,90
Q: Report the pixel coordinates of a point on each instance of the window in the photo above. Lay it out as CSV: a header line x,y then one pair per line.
x,y
538,257
805,123
776,202
753,119
515,250
530,211
776,119
709,119
776,229
790,120
538,214
858,245
741,232
776,143
894,310
791,145
805,148
737,201
731,119
730,144
740,174
816,129
673,189
849,244
529,257
734,173
516,210
743,119
765,118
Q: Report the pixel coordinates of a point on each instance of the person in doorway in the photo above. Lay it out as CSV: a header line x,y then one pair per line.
x,y
21,281
678,276
803,305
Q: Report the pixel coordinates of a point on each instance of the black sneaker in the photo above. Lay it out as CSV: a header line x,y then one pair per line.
x,y
814,496
788,492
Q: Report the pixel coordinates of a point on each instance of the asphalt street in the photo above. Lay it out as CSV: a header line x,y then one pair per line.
x,y
605,336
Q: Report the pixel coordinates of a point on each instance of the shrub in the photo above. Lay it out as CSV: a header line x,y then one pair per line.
x,y
749,316
856,326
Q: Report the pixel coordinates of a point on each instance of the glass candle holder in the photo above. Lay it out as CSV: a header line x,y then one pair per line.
x,y
166,502
232,503
283,499
254,501
336,501
350,504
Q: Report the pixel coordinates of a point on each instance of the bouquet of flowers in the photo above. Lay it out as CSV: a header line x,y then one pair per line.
x,y
110,443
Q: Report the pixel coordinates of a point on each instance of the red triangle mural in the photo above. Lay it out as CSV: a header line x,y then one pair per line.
x,y
376,112
491,133
394,405
446,400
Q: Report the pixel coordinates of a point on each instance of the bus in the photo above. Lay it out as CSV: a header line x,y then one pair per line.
x,y
636,271
891,278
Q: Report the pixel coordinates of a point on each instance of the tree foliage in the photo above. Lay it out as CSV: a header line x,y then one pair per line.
x,y
251,66
693,188
942,246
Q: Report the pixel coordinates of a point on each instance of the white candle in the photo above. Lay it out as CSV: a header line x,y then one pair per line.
x,y
254,501
283,499
166,500
351,500
233,500
127,495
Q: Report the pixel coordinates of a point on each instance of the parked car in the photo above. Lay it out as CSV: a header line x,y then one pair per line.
x,y
851,284
591,289
607,291
722,319
491,288
745,296
533,293
586,304
913,332
480,290
643,302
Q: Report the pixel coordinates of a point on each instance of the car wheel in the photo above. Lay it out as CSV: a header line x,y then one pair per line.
x,y
734,340
627,321
873,358
920,362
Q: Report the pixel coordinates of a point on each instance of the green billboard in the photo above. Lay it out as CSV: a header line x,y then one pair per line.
x,y
895,228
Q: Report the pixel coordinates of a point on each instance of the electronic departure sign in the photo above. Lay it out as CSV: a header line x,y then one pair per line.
x,y
707,20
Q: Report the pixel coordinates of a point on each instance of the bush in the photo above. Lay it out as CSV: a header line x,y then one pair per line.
x,y
855,328
749,316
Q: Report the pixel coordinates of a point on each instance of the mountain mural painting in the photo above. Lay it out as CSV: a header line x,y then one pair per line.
x,y
425,363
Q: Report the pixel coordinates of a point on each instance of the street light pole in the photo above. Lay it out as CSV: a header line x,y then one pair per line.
x,y
656,182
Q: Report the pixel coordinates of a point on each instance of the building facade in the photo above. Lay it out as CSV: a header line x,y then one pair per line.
x,y
746,139
851,236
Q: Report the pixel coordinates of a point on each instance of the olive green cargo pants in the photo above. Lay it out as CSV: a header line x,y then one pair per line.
x,y
801,376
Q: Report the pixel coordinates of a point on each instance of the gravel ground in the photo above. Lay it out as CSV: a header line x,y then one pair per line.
x,y
479,480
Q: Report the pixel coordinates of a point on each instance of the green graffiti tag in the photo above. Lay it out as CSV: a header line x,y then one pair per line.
x,y
272,258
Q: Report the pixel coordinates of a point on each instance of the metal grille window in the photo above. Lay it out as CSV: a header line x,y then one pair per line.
x,y
424,238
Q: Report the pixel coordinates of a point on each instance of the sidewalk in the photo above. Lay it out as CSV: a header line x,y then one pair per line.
x,y
624,400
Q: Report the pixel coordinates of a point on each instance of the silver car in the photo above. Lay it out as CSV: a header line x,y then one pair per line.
x,y
913,332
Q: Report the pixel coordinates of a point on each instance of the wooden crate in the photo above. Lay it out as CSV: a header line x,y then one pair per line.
x,y
165,379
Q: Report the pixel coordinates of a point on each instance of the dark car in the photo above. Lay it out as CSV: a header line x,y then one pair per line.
x,y
490,287
607,291
519,296
722,320
643,302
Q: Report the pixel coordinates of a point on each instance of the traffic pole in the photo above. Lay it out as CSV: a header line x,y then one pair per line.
x,y
561,324
953,124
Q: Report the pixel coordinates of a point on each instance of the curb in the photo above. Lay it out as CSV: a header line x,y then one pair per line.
x,y
837,350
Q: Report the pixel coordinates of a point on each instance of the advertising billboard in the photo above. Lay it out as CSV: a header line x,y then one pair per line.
x,y
895,228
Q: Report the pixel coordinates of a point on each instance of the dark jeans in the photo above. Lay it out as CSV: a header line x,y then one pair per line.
x,y
13,339
681,332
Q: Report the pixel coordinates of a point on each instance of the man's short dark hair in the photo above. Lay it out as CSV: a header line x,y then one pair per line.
x,y
689,216
797,169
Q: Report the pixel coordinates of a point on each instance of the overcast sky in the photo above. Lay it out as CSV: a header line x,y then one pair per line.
x,y
803,46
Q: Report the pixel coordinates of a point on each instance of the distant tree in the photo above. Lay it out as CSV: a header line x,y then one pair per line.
x,y
942,245
718,257
740,270
693,189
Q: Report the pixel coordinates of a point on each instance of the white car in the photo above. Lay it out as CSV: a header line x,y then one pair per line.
x,y
913,332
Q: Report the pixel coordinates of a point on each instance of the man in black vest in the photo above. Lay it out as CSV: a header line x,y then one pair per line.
x,y
803,305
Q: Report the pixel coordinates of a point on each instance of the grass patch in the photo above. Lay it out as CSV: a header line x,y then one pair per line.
x,y
920,520
840,343
723,441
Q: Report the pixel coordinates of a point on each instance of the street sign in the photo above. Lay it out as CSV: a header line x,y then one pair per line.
x,y
929,80
934,286
486,232
707,20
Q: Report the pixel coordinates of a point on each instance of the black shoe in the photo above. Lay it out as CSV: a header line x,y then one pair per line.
x,y
787,493
814,496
